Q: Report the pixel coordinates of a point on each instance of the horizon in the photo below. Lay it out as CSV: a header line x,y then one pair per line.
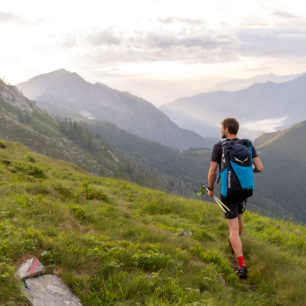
x,y
159,105
155,49
249,128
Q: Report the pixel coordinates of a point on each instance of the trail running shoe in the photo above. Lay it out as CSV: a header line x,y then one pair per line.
x,y
243,272
229,241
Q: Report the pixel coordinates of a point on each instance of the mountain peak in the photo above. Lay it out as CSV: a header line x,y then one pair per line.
x,y
59,74
61,71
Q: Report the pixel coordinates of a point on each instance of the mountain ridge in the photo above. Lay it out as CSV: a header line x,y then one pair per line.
x,y
259,108
235,85
60,93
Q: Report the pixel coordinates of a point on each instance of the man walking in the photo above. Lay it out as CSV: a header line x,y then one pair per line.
x,y
235,202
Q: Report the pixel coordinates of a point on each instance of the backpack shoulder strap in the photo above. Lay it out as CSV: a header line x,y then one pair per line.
x,y
248,144
245,142
222,145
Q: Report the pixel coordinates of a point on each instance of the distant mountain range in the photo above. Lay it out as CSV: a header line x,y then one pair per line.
x,y
239,84
68,95
260,108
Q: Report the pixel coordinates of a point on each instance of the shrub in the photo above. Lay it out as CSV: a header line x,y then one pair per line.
x,y
63,191
6,162
30,170
79,213
90,193
37,189
23,201
5,271
31,159
151,261
50,258
131,198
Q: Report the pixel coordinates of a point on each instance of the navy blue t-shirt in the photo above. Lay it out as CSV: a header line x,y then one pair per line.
x,y
216,154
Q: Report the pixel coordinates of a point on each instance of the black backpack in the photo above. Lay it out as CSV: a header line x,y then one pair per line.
x,y
236,170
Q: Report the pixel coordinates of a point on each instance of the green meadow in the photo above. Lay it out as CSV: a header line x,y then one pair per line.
x,y
115,243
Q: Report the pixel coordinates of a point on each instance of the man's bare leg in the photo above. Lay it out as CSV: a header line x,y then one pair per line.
x,y
235,230
240,224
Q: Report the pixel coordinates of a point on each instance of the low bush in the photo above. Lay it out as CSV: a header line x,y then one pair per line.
x,y
91,193
29,169
64,192
80,214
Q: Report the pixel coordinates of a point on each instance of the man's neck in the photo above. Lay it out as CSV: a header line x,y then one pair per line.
x,y
231,136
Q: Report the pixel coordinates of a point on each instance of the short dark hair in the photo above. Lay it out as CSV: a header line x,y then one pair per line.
x,y
232,124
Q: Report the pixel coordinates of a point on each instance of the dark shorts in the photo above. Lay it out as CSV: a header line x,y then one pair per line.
x,y
236,207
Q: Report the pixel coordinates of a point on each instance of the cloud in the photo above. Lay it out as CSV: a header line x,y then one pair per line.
x,y
12,18
104,37
273,42
186,21
191,46
165,41
69,41
283,14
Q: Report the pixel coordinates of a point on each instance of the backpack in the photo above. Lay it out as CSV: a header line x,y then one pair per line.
x,y
236,170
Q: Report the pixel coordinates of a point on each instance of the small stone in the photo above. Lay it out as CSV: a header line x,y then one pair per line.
x,y
184,233
31,268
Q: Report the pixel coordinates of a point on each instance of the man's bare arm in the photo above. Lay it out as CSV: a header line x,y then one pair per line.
x,y
212,174
258,166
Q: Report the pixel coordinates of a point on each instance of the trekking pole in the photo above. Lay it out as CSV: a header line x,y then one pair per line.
x,y
217,200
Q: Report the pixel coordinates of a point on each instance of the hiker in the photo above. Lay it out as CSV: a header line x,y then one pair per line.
x,y
235,200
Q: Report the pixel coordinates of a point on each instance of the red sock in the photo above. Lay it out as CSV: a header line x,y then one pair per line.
x,y
240,261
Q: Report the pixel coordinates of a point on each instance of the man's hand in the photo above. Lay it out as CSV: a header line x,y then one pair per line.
x,y
257,165
210,193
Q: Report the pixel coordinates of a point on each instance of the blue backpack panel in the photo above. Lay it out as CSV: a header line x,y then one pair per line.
x,y
236,173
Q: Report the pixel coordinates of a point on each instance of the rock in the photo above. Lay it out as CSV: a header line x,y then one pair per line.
x,y
30,268
184,233
49,290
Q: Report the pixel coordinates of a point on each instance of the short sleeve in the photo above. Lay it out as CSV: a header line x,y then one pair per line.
x,y
254,153
216,154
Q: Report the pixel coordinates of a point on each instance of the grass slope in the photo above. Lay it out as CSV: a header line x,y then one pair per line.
x,y
263,138
285,167
115,243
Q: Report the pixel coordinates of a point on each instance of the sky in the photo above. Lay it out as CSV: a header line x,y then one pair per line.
x,y
160,50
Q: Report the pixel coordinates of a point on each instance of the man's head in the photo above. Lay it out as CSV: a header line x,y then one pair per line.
x,y
229,126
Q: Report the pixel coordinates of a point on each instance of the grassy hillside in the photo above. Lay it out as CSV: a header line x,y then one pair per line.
x,y
283,179
115,243
263,138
